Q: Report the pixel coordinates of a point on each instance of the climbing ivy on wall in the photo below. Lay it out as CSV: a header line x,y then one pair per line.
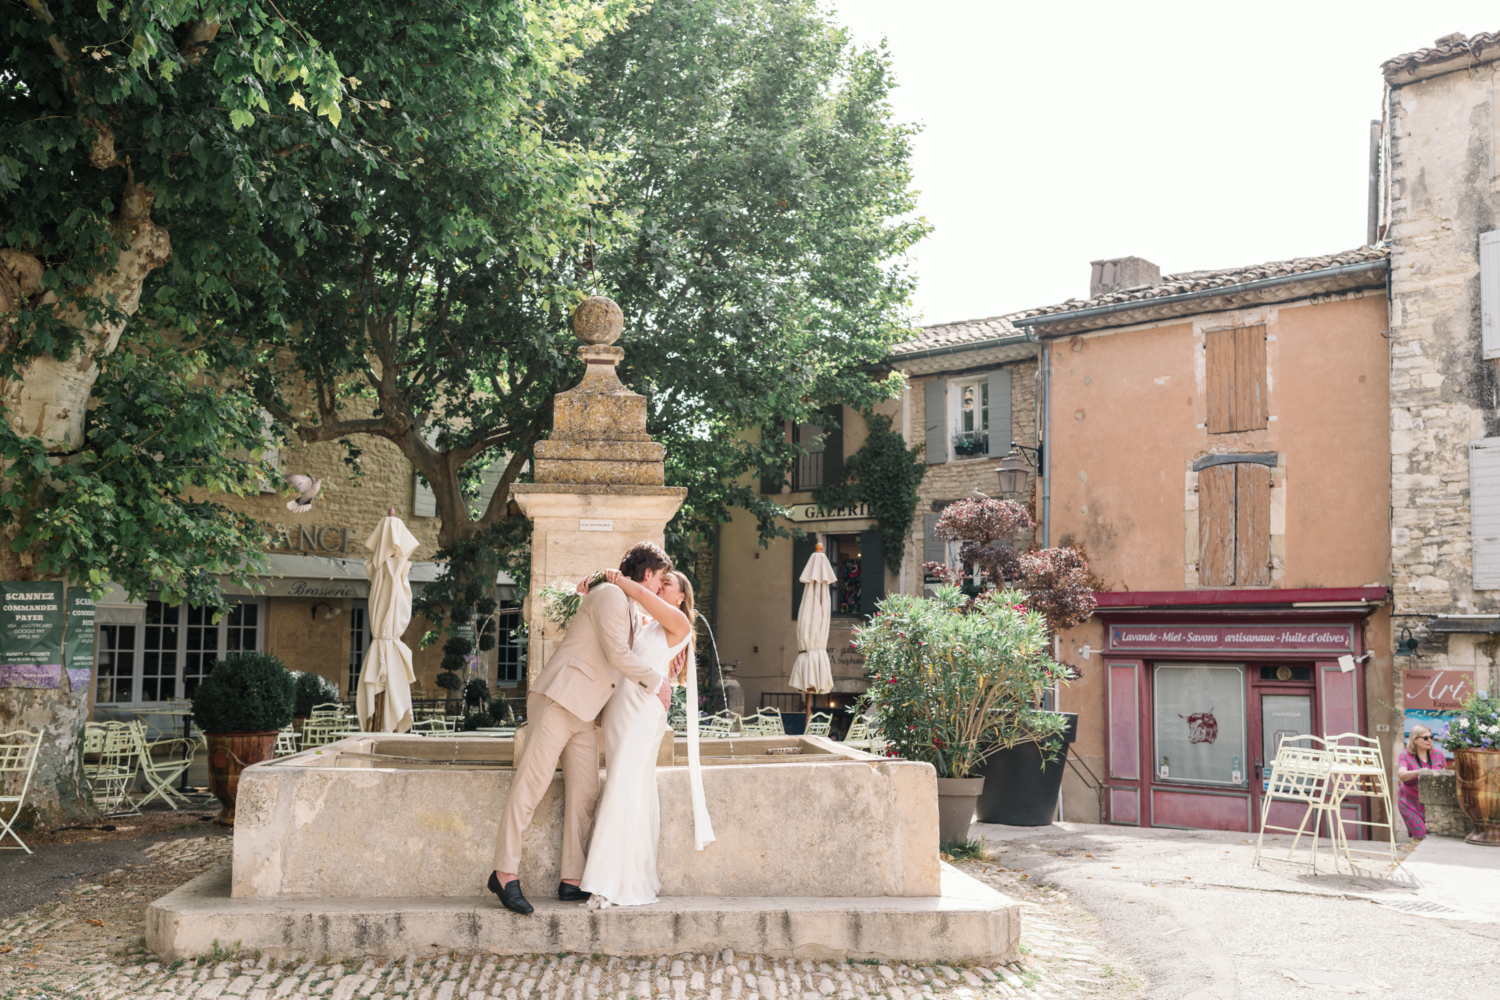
x,y
885,474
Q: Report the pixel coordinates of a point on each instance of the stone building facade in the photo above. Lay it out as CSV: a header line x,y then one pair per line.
x,y
1439,198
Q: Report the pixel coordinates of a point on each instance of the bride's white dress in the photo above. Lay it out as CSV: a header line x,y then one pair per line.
x,y
621,867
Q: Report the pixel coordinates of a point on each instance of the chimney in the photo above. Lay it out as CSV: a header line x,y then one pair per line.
x,y
1121,272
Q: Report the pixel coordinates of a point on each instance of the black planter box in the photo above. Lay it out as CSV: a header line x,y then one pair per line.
x,y
1018,790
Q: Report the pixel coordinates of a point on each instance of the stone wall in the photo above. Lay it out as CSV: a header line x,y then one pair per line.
x,y
955,480
1443,193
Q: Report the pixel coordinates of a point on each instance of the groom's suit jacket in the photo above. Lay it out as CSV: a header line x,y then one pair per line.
x,y
595,655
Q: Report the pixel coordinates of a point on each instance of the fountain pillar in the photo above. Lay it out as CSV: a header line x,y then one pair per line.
x,y
598,479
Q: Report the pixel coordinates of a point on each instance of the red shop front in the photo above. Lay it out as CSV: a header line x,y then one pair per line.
x,y
1202,685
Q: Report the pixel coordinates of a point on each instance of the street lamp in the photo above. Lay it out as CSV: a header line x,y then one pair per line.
x,y
1407,646
1012,469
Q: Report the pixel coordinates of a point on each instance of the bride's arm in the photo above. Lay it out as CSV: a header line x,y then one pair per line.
x,y
673,621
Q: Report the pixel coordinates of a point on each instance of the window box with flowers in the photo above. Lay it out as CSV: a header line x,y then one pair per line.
x,y
954,680
1474,740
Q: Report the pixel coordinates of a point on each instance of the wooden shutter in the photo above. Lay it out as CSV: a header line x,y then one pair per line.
x,y
1489,292
831,422
1000,426
802,550
771,485
933,547
1484,512
871,570
423,502
1219,346
935,403
1124,761
1216,526
1252,525
1236,375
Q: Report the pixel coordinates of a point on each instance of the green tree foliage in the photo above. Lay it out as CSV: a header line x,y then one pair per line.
x,y
772,196
885,474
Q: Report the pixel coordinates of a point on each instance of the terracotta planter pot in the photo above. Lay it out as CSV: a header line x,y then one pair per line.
x,y
228,755
956,798
1479,793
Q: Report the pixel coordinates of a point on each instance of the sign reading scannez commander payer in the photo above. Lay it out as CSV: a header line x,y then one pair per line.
x,y
31,635
1232,638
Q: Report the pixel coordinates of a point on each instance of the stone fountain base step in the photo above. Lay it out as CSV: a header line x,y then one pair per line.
x,y
970,922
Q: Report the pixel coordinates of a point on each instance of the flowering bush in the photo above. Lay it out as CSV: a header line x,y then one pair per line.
x,y
1056,581
1478,728
954,680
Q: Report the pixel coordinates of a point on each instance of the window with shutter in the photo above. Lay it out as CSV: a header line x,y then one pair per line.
x,y
1484,512
1236,376
1489,292
1234,524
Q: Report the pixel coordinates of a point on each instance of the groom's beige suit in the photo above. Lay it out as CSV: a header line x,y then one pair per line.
x,y
561,710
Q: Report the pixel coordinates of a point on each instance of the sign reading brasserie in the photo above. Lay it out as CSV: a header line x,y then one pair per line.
x,y
1232,638
31,635
812,512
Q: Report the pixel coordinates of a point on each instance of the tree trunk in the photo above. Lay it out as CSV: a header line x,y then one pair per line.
x,y
49,401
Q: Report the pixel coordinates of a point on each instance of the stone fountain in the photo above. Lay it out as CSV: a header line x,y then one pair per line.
x,y
379,845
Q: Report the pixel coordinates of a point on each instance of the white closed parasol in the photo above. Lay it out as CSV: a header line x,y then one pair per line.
x,y
811,672
386,677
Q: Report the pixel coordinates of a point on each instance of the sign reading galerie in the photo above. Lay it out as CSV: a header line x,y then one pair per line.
x,y
812,512
31,635
1232,638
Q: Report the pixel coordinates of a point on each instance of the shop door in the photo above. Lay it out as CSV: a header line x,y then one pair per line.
x,y
1280,711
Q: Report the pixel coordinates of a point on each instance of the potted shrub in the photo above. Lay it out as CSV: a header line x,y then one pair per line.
x,y
240,706
954,680
311,690
1474,740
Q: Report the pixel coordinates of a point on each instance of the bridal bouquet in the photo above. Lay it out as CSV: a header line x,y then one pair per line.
x,y
560,600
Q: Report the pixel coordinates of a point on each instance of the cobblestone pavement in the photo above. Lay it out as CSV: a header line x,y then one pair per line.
x,y
91,945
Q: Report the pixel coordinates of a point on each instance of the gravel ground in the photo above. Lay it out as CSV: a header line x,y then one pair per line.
x,y
89,943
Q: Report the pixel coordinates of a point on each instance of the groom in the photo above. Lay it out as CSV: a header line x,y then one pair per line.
x,y
561,710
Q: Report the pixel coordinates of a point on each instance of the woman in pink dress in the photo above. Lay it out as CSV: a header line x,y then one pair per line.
x,y
1421,754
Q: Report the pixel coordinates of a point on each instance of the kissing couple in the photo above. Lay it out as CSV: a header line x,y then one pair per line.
x,y
631,637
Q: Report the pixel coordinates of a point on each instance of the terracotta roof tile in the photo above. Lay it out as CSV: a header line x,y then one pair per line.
x,y
1450,47
993,327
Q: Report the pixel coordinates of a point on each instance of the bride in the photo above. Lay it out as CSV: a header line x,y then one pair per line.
x,y
621,867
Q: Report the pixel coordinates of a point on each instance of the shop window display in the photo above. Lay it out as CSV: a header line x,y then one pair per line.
x,y
1199,723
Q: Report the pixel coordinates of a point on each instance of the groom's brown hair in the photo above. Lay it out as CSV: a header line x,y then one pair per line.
x,y
642,558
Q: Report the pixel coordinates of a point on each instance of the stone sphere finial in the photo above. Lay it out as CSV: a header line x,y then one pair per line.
x,y
598,320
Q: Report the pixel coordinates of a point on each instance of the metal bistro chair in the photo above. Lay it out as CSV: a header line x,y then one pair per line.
x,y
160,774
715,727
858,735
18,750
111,776
821,724
286,742
1296,774
1358,770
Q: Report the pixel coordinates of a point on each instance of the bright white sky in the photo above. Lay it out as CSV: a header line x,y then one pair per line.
x,y
1196,135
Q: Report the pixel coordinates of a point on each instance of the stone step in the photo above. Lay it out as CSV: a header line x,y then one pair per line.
x,y
969,922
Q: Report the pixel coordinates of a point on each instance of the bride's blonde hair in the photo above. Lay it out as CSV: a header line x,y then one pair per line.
x,y
686,607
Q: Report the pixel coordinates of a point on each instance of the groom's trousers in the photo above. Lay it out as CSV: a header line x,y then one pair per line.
x,y
554,734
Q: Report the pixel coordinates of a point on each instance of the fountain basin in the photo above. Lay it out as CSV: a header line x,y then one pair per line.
x,y
409,816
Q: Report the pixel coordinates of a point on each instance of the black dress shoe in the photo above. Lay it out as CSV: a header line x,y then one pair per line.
x,y
510,895
571,893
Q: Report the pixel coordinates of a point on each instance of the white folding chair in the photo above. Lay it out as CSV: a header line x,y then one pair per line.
x,y
858,735
160,773
1297,774
1357,770
821,724
111,776
286,742
18,750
